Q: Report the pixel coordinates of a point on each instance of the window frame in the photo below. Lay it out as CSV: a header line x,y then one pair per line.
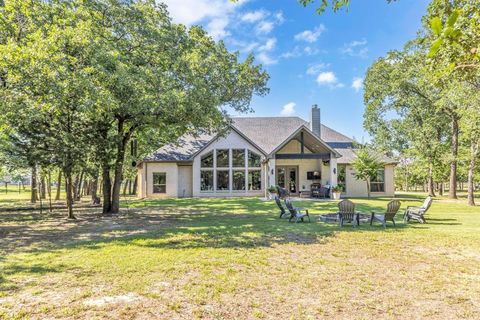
x,y
227,171
248,178
213,180
159,184
380,184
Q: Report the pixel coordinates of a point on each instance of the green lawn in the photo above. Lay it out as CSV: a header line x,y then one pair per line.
x,y
234,259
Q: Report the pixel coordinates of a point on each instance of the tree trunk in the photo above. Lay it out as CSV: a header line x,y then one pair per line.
x,y
368,188
49,190
43,190
129,186
78,186
125,185
59,185
452,190
135,185
107,190
440,189
431,191
94,187
471,170
69,191
123,139
33,198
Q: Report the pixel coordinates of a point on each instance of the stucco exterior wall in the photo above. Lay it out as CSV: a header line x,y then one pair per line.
x,y
145,179
358,188
231,141
185,181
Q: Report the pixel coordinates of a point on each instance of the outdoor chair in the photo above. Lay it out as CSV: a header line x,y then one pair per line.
x,y
346,213
315,190
417,213
389,215
282,193
283,211
296,213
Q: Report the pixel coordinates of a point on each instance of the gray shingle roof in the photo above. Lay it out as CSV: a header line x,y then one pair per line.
x,y
182,150
265,132
348,155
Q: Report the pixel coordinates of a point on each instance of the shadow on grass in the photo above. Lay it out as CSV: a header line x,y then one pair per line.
x,y
171,223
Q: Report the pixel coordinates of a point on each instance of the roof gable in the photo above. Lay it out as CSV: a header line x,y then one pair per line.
x,y
265,133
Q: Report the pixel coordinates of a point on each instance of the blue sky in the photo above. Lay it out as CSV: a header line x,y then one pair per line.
x,y
311,59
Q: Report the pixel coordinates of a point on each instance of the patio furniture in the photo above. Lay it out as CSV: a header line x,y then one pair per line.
x,y
296,212
346,213
392,209
315,190
283,211
283,193
417,213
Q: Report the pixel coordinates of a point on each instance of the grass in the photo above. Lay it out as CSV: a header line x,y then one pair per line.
x,y
234,259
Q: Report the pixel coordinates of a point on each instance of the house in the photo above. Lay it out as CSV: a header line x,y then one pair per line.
x,y
255,153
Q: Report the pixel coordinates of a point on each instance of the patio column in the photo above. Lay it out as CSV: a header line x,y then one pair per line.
x,y
270,169
333,171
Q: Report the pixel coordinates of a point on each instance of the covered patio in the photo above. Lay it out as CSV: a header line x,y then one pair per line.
x,y
303,161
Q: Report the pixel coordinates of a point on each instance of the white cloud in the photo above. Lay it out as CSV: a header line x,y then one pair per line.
x,y
288,109
356,48
216,14
253,16
316,68
279,17
310,35
357,84
295,53
264,27
216,28
265,59
329,78
269,45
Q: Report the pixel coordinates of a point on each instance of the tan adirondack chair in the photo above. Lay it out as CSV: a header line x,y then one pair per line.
x,y
346,213
389,215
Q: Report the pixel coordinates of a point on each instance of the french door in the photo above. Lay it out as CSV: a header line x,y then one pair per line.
x,y
287,177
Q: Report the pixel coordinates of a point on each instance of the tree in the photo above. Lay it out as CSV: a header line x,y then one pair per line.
x,y
48,88
399,84
189,86
366,165
98,72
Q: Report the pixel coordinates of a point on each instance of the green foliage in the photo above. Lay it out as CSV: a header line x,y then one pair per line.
x,y
79,79
452,30
366,165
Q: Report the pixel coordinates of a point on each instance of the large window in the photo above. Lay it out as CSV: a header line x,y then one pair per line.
x,y
238,158
254,180
230,170
206,180
238,182
207,160
253,159
377,184
222,180
159,182
222,158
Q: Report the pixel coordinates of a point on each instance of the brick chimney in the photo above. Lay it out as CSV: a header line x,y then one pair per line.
x,y
315,123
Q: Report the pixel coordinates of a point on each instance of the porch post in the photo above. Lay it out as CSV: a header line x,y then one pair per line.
x,y
271,176
333,170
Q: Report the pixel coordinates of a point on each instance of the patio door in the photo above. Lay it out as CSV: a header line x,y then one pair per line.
x,y
287,177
